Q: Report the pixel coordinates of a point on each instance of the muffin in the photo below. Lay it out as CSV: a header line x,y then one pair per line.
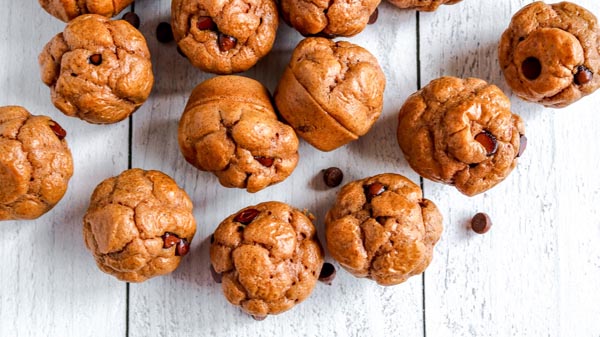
x,y
461,132
67,10
269,258
224,37
229,128
139,225
422,5
331,93
383,229
328,18
550,53
97,69
35,164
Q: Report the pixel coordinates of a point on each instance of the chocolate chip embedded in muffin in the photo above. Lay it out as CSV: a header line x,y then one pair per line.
x,y
230,128
331,93
224,37
67,10
460,132
382,228
97,69
422,5
550,53
328,18
35,164
272,263
138,225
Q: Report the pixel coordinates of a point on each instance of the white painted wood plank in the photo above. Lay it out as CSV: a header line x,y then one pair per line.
x,y
49,283
188,302
536,272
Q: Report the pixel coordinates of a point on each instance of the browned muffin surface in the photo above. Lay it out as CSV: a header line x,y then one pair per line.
x,y
422,5
67,10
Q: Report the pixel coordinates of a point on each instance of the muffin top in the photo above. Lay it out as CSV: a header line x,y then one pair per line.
x,y
67,10
422,5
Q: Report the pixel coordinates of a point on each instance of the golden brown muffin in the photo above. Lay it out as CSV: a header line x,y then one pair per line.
x,y
35,164
328,18
224,37
229,128
382,228
138,225
269,257
331,93
97,69
422,5
550,53
67,10
461,132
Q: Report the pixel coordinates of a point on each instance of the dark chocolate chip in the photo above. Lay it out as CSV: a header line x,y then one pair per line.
x,y
132,18
216,276
265,161
164,33
95,59
583,75
481,223
373,17
488,141
522,145
58,130
226,42
531,68
374,190
246,216
206,23
170,240
183,247
327,273
333,176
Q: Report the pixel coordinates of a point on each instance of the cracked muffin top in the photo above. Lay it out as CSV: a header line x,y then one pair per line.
x,y
269,257
550,53
67,10
35,164
383,229
422,5
138,225
328,18
97,69
229,128
461,132
331,93
224,37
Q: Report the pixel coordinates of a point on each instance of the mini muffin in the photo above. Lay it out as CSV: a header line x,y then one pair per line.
x,y
383,229
224,37
138,225
97,69
67,10
328,18
35,164
422,5
461,132
229,128
331,93
550,53
269,258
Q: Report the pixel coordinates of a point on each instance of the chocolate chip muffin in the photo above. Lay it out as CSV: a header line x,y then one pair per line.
x,y
224,37
35,164
331,93
328,18
461,132
269,258
67,10
422,5
138,225
97,69
229,128
550,53
383,229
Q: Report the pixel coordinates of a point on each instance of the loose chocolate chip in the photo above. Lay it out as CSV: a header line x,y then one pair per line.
x,y
373,17
259,318
583,75
58,130
488,141
246,216
205,23
333,176
226,42
374,190
164,33
531,68
265,161
327,273
183,247
132,18
481,223
522,145
216,276
95,59
170,240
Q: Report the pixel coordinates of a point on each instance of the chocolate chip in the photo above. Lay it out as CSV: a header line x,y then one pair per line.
x,y
583,75
373,17
183,247
226,42
259,318
488,141
170,240
531,68
333,176
246,216
58,130
374,190
522,145
240,229
95,59
164,33
481,223
205,23
265,161
132,18
216,276
327,273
